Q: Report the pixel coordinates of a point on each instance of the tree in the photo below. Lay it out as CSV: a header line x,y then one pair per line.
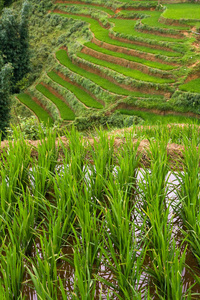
x,y
14,41
5,86
14,56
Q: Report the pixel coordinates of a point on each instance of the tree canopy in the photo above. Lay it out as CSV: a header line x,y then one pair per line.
x,y
14,56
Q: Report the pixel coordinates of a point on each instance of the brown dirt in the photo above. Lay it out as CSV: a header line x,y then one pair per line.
x,y
175,152
120,39
80,87
171,22
41,105
165,34
84,3
94,70
194,64
137,8
55,93
192,76
196,45
132,52
81,15
155,111
123,62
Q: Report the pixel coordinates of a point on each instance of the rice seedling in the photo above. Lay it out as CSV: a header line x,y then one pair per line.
x,y
127,164
167,260
102,155
11,271
188,190
115,217
91,228
15,166
122,252
43,171
84,285
21,228
74,154
61,214
43,270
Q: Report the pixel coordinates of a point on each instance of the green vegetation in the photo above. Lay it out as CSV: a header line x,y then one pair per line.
x,y
121,27
5,87
42,114
153,119
89,7
135,74
104,83
192,86
79,93
65,112
102,35
153,20
159,61
100,211
182,11
14,44
152,64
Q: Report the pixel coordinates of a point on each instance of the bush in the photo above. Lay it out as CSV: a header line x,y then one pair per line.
x,y
105,120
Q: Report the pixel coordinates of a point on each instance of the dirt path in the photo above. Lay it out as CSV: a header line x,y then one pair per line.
x,y
175,152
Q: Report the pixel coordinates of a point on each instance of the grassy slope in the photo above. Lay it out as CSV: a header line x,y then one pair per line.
x,y
38,110
152,119
135,74
143,61
120,26
102,35
182,11
192,86
104,83
65,112
79,93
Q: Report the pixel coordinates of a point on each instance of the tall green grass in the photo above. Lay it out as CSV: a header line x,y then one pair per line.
x,y
95,197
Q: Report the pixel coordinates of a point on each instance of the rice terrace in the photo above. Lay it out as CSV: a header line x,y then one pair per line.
x,y
100,159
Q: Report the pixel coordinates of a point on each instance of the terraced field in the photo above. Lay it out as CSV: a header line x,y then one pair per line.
x,y
134,54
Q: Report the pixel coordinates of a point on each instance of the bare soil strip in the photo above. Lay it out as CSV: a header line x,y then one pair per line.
x,y
55,93
80,87
175,152
97,71
165,34
125,63
132,52
145,44
156,111
36,100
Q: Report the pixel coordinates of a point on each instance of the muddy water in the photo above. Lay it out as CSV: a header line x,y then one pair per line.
x,y
66,271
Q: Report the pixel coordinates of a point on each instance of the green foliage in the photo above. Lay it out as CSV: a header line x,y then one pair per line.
x,y
5,86
186,99
65,112
88,208
41,113
14,40
79,93
137,74
192,86
101,119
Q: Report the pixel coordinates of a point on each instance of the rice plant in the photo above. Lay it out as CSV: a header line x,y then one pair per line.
x,y
12,271
188,193
21,228
102,155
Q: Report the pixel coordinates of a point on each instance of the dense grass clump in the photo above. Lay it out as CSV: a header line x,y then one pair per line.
x,y
104,211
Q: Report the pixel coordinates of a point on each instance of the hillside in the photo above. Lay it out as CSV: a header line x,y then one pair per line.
x,y
119,55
